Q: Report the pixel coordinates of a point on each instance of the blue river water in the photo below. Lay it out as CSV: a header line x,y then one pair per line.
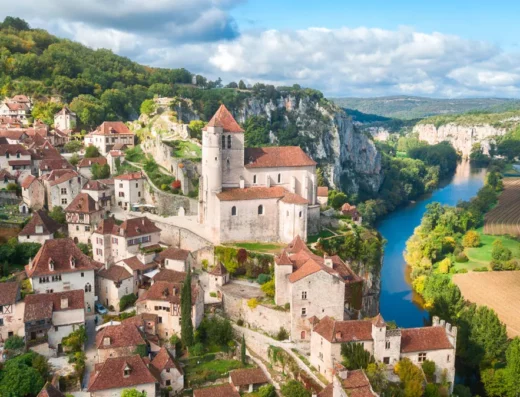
x,y
398,302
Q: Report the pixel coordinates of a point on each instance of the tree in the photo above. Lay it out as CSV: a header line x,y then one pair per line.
x,y
100,171
242,85
243,351
256,131
132,393
232,85
267,391
92,151
74,159
428,368
471,239
76,340
45,111
148,107
73,146
195,128
14,343
58,214
293,388
411,378
512,370
269,288
499,252
14,23
337,199
355,356
89,109
19,378
376,374
186,303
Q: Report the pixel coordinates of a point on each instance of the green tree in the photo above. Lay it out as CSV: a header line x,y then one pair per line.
x,y
142,350
58,214
243,351
76,340
186,304
256,131
73,146
18,378
92,151
499,252
267,391
411,378
293,388
14,343
376,374
337,199
132,393
100,171
74,159
195,128
45,111
428,368
14,23
242,85
148,107
355,356
41,364
89,109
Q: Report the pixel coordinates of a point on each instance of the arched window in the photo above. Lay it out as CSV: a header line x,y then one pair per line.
x,y
254,179
223,142
279,178
233,211
300,214
260,210
229,141
88,287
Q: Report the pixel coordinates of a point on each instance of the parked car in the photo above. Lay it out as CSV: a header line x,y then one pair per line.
x,y
100,308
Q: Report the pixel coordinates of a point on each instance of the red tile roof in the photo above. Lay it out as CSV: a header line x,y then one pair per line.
x,y
171,276
218,270
28,180
168,292
424,339
83,204
4,174
257,193
276,157
95,186
223,390
357,384
19,162
56,177
328,391
164,360
344,331
130,176
55,164
121,335
111,374
323,191
40,218
65,255
225,120
14,135
112,127
250,376
115,273
9,293
50,391
175,254
13,149
134,227
89,161
41,306
19,99
135,264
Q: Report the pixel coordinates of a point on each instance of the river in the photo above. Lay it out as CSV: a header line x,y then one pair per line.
x,y
397,301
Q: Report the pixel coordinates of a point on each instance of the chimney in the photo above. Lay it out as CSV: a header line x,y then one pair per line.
x,y
343,373
64,302
327,262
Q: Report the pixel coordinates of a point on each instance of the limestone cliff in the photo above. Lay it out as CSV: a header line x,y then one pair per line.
x,y
348,158
462,137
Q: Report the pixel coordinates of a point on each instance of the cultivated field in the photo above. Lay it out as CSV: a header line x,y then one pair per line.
x,y
499,291
505,217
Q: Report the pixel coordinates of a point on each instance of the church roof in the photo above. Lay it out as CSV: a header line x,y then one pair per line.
x,y
276,157
225,120
261,192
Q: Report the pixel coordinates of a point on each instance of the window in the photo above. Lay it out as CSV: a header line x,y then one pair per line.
x,y
77,228
81,217
64,201
387,345
17,155
233,211
7,155
87,228
422,357
168,382
448,358
304,295
63,190
159,319
300,214
82,274
320,355
138,194
254,179
279,178
137,184
56,329
223,142
121,194
99,240
114,240
260,210
1,322
88,287
386,360
229,141
120,185
304,311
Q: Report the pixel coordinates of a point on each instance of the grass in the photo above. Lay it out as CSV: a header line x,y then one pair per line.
x,y
509,170
210,371
264,248
135,155
185,149
322,234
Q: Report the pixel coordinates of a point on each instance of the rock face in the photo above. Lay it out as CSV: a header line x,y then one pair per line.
x,y
462,137
348,158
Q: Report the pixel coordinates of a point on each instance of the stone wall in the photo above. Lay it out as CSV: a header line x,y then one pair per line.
x,y
9,198
313,220
169,204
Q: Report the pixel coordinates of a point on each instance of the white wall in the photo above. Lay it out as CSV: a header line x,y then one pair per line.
x,y
110,295
66,322
148,388
131,190
35,238
13,322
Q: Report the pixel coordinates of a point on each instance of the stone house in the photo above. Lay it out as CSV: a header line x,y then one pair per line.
x,y
65,119
323,196
85,165
48,165
221,390
148,324
168,371
41,227
176,259
436,343
314,286
116,374
113,282
61,187
129,189
248,380
352,212
15,159
142,267
13,136
11,311
83,215
119,340
108,134
111,159
33,192
171,276
6,178
217,277
348,383
60,266
41,150
248,194
164,299
53,316
18,110
102,193
112,243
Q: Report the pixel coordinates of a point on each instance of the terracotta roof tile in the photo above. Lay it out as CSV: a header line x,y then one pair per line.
x,y
9,293
218,270
223,390
164,360
135,264
15,135
323,191
424,339
378,321
115,273
4,174
95,185
276,157
65,255
121,335
41,306
55,164
50,391
344,331
83,204
175,254
168,292
40,218
28,180
56,177
137,227
111,374
225,120
112,127
260,192
13,150
130,176
357,384
19,162
171,276
250,376
119,146
328,391
89,161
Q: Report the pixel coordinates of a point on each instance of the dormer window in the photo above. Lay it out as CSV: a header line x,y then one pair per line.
x,y
72,262
126,371
338,335
106,341
51,265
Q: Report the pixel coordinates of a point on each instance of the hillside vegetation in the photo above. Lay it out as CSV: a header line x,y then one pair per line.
x,y
499,120
411,107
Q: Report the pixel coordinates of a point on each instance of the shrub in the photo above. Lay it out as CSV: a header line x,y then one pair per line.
x,y
444,266
471,239
499,252
205,264
428,368
267,391
293,388
213,294
282,334
240,322
269,288
263,278
127,301
461,258
481,269
197,349
14,343
252,303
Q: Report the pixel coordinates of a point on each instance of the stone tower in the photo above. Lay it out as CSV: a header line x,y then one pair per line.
x,y
65,119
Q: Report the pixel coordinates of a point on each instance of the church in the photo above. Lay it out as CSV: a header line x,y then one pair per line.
x,y
254,194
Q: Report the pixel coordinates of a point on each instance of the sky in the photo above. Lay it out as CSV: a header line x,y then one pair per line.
x,y
439,48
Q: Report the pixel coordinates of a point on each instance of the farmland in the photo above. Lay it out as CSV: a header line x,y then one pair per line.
x,y
505,217
498,291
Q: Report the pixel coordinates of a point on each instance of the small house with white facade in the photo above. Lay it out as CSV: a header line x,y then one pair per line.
x,y
83,215
41,227
11,311
129,190
109,134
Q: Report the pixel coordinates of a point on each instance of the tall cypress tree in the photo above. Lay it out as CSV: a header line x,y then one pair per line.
x,y
243,350
186,324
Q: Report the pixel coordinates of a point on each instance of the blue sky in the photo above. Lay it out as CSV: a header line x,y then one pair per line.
x,y
440,48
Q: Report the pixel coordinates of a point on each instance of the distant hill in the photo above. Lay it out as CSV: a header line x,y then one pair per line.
x,y
412,107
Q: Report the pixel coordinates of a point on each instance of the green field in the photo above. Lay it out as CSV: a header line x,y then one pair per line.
x,y
265,248
185,149
322,234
